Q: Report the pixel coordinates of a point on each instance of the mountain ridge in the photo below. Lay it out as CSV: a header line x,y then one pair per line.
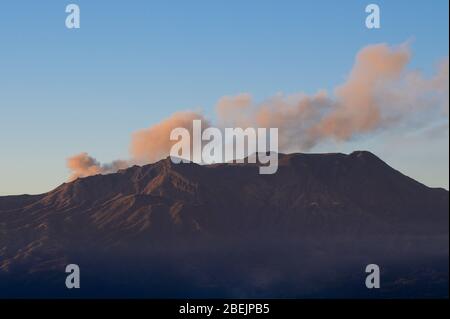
x,y
304,184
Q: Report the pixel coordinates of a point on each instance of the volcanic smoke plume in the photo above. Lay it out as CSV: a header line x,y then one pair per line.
x,y
379,93
152,144
83,165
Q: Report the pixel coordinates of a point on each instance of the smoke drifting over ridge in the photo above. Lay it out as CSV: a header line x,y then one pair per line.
x,y
378,94
153,144
82,165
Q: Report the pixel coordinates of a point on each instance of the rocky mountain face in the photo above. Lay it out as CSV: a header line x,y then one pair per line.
x,y
315,204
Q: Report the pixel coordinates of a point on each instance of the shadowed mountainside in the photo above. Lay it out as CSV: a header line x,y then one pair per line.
x,y
321,202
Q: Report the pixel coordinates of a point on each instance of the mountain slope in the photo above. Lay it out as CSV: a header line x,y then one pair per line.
x,y
172,207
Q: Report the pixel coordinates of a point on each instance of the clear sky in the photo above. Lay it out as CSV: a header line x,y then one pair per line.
x,y
134,63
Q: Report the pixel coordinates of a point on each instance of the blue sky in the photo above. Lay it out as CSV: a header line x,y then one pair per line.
x,y
134,63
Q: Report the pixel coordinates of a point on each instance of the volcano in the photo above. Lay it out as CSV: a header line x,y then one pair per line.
x,y
224,230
